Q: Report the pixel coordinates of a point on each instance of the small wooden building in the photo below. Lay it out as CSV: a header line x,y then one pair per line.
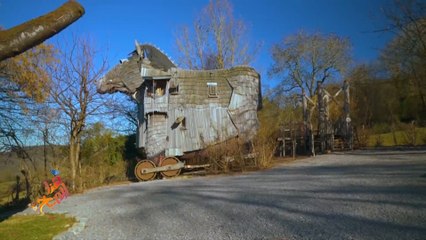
x,y
182,111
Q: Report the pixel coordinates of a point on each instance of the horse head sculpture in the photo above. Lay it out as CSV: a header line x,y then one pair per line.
x,y
145,61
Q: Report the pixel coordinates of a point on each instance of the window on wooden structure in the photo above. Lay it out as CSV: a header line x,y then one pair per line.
x,y
174,90
212,89
160,87
155,88
173,87
149,88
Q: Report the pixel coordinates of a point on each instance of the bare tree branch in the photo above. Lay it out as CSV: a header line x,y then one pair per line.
x,y
218,40
29,34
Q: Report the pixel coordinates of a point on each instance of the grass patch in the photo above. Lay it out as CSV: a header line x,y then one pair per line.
x,y
401,138
34,226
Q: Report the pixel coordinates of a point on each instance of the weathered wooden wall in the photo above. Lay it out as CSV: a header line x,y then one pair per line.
x,y
208,120
193,90
244,102
156,134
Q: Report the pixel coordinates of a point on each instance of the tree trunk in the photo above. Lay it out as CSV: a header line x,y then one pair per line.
x,y
72,159
305,121
75,146
77,158
322,117
29,34
312,139
27,183
18,189
45,134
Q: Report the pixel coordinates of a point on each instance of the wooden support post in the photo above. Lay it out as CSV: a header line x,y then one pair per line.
x,y
347,121
283,147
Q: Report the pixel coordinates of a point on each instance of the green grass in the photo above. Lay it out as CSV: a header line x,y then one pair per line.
x,y
387,139
34,226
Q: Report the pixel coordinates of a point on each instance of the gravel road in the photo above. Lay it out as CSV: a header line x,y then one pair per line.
x,y
358,195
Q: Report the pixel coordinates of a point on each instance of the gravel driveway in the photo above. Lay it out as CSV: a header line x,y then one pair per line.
x,y
361,195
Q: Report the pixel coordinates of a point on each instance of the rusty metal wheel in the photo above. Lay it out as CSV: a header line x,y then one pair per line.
x,y
170,161
139,173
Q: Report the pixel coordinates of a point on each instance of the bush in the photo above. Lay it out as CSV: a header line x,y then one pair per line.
x,y
226,156
264,147
271,118
409,134
363,135
378,140
102,157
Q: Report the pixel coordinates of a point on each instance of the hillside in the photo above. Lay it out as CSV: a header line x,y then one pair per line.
x,y
12,162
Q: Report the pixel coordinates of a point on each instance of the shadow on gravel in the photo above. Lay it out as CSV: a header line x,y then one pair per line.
x,y
384,200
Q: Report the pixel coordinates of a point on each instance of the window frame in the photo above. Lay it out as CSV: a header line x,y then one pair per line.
x,y
212,89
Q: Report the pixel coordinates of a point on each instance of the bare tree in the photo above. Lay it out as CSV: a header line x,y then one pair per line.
x,y
46,121
218,39
74,92
123,113
303,60
29,34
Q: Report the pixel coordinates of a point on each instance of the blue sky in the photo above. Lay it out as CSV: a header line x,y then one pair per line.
x,y
114,25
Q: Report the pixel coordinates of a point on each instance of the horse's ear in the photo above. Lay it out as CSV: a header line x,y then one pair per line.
x,y
138,49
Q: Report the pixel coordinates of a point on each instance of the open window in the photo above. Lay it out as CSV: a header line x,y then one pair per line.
x,y
212,89
149,88
173,87
160,87
174,90
155,88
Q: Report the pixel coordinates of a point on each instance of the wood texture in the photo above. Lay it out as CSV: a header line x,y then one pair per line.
x,y
29,34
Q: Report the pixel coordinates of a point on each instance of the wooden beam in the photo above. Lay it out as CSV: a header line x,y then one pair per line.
x,y
176,166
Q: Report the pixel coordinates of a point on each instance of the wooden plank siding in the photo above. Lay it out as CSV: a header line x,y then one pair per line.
x,y
203,127
156,134
208,120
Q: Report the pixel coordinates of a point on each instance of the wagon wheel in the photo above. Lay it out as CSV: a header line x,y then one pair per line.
x,y
143,165
170,161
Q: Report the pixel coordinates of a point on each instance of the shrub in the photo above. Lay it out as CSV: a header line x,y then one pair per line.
x,y
409,133
264,147
378,140
102,157
226,156
363,135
